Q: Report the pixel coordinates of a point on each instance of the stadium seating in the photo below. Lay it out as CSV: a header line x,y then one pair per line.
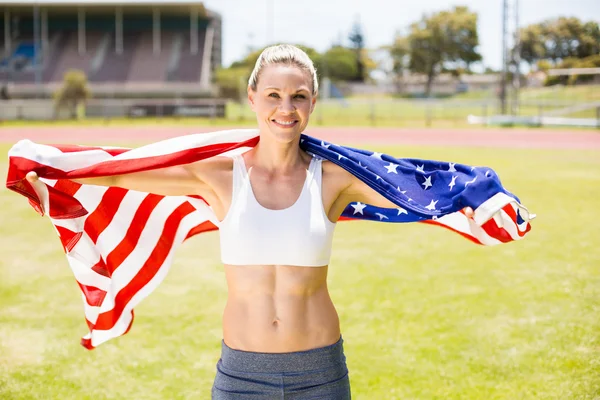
x,y
138,66
189,64
147,66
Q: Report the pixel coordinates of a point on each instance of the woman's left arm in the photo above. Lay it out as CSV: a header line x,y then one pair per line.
x,y
358,191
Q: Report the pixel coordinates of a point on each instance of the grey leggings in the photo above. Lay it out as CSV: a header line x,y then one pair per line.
x,y
312,374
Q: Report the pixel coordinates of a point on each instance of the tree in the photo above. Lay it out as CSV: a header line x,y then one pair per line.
x,y
73,93
233,81
531,44
357,41
559,39
400,55
339,64
443,38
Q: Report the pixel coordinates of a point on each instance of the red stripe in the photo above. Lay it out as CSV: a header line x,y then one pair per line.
x,y
67,148
63,206
108,319
115,167
102,216
68,238
463,234
134,231
100,268
492,229
67,187
94,296
87,343
513,215
20,166
205,226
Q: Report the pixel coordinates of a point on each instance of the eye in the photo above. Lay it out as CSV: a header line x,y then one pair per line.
x,y
300,96
274,95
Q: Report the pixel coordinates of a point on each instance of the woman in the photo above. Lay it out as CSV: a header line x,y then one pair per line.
x,y
277,207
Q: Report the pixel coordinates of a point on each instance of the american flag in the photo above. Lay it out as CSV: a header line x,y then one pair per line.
x,y
120,243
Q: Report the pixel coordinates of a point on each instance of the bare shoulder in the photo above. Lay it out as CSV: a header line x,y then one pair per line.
x,y
335,176
212,167
334,171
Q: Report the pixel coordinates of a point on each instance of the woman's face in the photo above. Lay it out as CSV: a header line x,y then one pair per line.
x,y
283,101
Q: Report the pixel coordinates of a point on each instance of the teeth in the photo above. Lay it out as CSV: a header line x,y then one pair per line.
x,y
285,122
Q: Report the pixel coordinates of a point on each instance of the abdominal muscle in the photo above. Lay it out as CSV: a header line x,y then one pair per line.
x,y
278,309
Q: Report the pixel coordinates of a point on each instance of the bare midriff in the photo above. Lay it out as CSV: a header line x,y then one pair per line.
x,y
278,309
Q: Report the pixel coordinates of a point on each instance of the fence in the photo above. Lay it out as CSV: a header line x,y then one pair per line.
x,y
348,112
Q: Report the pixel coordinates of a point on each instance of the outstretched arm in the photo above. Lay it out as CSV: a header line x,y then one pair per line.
x,y
177,180
358,191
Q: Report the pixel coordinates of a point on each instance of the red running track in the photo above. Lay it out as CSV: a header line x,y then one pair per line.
x,y
487,137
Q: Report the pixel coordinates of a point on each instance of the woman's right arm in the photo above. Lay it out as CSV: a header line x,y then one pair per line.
x,y
179,180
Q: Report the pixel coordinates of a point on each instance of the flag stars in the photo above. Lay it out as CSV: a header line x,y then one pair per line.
x,y
427,184
451,184
325,145
402,211
381,216
392,168
358,208
340,156
360,165
377,155
421,168
451,167
471,181
431,205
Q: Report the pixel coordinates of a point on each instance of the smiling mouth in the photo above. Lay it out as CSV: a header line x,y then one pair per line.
x,y
284,124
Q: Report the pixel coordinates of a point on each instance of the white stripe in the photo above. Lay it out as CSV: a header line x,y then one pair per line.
x,y
53,157
129,268
116,230
91,312
98,337
34,151
509,225
85,275
491,206
90,196
181,143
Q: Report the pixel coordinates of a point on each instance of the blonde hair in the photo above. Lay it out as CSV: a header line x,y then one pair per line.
x,y
284,54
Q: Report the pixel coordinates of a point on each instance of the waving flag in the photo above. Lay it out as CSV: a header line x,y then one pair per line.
x,y
119,243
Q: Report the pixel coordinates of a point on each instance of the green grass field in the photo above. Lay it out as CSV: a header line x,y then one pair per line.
x,y
425,314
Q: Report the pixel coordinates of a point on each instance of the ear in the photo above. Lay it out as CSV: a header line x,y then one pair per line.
x,y
313,102
251,96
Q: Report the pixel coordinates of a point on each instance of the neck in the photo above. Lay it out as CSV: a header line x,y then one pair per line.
x,y
272,155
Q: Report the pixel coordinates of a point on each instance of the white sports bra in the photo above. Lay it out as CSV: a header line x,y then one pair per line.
x,y
300,235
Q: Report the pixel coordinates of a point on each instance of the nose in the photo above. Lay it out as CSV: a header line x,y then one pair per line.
x,y
287,106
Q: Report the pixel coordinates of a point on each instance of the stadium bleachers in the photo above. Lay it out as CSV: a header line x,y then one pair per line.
x,y
69,58
147,66
115,67
138,62
189,64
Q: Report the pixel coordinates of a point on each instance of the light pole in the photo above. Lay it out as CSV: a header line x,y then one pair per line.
x,y
516,83
504,61
270,25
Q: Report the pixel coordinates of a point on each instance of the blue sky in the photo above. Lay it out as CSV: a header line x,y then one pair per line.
x,y
318,23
